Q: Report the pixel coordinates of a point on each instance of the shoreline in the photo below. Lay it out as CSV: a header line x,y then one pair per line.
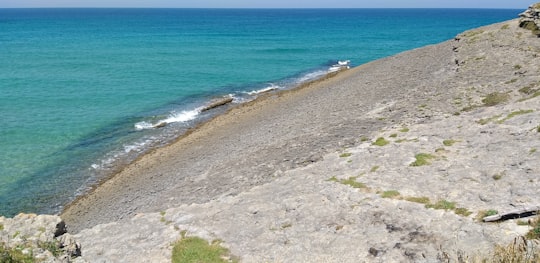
x,y
223,108
200,128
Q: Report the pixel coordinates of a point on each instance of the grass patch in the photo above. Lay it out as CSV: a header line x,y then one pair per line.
x,y
449,142
522,223
374,168
534,233
518,251
462,211
514,114
517,67
344,155
483,213
442,204
422,159
533,150
390,194
393,135
504,27
495,98
351,181
488,120
511,81
198,250
51,246
14,255
420,200
380,142
404,129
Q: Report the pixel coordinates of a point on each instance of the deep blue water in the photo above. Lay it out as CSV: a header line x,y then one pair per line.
x,y
80,88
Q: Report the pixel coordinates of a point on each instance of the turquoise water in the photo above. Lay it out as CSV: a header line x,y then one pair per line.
x,y
81,88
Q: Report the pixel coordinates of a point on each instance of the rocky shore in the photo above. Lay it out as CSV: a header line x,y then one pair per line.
x,y
397,160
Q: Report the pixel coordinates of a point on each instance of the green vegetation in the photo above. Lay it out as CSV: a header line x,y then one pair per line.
x,y
483,213
420,200
532,150
1,227
381,142
504,27
393,135
511,81
514,114
286,225
449,142
351,181
488,120
530,25
390,194
518,251
517,67
198,250
51,246
422,159
462,211
522,223
14,255
364,139
534,233
495,98
343,155
374,168
404,129
442,204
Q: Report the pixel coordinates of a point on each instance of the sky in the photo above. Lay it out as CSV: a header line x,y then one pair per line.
x,y
511,4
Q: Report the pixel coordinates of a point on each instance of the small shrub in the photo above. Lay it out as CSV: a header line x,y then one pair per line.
x,y
422,159
390,194
504,27
495,98
421,200
491,212
14,255
374,168
448,142
517,67
522,223
511,81
381,142
364,139
198,250
442,204
393,135
405,129
488,120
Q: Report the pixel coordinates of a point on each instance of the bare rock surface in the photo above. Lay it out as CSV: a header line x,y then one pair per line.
x,y
392,161
360,200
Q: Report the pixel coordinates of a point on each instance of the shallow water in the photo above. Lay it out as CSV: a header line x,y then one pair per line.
x,y
80,89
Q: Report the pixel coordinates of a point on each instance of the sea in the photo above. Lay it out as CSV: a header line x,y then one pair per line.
x,y
83,92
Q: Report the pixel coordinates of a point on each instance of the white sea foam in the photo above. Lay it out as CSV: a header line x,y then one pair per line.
x,y
182,116
312,75
267,89
143,125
